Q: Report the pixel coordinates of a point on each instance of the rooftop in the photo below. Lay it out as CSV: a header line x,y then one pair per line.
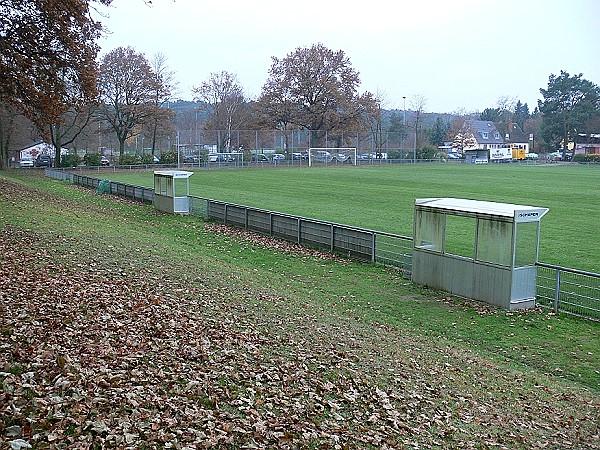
x,y
521,213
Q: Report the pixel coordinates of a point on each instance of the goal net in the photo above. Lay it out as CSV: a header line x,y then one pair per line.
x,y
331,155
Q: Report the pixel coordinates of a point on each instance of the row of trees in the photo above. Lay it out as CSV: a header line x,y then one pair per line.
x,y
49,74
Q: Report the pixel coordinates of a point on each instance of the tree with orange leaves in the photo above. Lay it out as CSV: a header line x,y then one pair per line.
x,y
47,57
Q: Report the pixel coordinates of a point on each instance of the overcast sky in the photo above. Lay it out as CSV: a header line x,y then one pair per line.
x,y
459,55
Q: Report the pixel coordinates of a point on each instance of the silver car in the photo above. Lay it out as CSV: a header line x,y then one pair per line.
x,y
26,161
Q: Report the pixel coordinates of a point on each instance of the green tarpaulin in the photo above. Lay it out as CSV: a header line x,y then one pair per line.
x,y
103,187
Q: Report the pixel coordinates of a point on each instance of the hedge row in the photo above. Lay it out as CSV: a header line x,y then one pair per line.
x,y
592,158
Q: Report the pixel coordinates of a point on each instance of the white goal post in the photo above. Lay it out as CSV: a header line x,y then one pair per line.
x,y
332,155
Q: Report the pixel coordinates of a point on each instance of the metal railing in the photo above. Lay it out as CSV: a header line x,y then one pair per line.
x,y
561,289
59,174
354,242
569,291
138,193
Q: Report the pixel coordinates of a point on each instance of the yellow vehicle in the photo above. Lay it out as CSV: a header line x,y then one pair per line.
x,y
518,151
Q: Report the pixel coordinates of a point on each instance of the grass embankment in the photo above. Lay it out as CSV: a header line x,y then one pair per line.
x,y
382,197
123,326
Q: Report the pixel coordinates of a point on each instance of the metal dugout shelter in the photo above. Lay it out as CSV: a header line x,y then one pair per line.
x,y
168,185
481,250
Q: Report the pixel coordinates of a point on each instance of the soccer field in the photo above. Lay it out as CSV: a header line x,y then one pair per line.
x,y
382,197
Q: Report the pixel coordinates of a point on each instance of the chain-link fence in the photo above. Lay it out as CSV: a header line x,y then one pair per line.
x,y
194,139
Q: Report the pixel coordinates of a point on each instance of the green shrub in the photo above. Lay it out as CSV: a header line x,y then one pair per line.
x,y
168,157
394,154
147,159
70,160
593,158
427,152
129,160
92,159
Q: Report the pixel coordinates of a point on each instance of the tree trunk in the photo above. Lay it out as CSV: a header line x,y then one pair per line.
x,y
56,143
121,147
4,142
154,132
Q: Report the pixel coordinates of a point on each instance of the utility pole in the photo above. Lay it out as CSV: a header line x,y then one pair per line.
x,y
415,144
404,130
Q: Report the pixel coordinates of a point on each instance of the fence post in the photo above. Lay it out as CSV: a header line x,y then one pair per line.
x,y
556,291
332,243
373,247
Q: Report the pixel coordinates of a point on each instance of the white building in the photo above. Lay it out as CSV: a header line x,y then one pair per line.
x,y
41,148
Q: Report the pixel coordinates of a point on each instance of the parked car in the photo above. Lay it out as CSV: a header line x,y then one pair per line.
x,y
219,157
532,156
191,159
366,156
278,157
104,161
259,158
27,161
43,161
300,156
559,156
555,156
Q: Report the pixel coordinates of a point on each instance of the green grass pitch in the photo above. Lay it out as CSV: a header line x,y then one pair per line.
x,y
382,197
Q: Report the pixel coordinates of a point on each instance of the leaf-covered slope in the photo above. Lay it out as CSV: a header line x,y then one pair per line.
x,y
104,350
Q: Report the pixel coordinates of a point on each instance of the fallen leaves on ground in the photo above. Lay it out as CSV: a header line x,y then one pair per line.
x,y
272,243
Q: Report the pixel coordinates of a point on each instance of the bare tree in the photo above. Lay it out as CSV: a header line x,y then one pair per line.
x,y
69,128
160,120
373,119
16,131
127,89
224,99
506,111
418,104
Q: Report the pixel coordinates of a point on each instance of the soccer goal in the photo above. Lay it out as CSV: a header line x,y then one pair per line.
x,y
331,155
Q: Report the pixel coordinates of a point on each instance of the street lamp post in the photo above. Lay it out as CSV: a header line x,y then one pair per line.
x,y
415,144
177,142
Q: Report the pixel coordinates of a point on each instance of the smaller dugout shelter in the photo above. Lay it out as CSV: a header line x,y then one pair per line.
x,y
169,189
481,250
